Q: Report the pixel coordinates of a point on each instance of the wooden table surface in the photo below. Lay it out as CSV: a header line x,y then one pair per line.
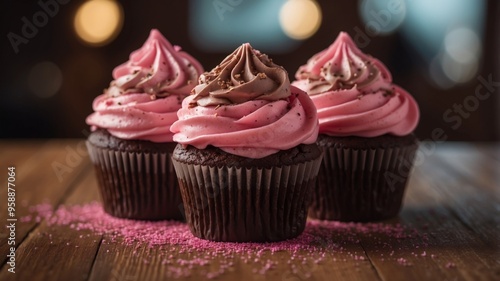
x,y
452,205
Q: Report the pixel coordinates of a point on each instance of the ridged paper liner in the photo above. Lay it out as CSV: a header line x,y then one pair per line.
x,y
361,184
246,204
137,185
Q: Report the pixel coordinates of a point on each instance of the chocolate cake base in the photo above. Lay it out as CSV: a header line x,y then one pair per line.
x,y
136,178
362,179
236,199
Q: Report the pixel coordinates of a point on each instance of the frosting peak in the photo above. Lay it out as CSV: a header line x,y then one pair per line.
x,y
244,75
344,66
157,68
354,94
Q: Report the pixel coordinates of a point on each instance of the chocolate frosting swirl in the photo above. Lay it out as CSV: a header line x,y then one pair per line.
x,y
244,75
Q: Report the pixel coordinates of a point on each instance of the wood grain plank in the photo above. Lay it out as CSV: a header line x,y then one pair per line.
x,y
401,259
58,252
445,250
473,162
491,149
36,183
449,231
452,250
86,191
475,205
118,261
16,152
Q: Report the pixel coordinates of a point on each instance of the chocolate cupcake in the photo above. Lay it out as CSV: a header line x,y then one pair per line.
x,y
246,157
131,143
366,125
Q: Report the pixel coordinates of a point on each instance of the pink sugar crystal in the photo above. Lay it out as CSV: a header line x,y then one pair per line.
x,y
404,262
450,265
27,218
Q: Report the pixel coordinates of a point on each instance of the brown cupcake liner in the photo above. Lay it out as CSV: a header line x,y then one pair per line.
x,y
361,184
137,185
246,204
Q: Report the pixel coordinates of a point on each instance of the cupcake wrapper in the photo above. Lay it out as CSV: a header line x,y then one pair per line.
x,y
361,185
137,185
246,204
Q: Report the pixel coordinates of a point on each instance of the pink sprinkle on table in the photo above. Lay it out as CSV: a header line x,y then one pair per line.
x,y
321,240
450,265
403,261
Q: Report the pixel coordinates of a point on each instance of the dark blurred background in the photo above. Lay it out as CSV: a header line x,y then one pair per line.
x,y
57,55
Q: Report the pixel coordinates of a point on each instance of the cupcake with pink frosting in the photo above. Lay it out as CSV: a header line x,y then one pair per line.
x,y
247,157
131,143
366,131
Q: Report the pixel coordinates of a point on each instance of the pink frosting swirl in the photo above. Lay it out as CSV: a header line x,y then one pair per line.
x,y
354,94
253,125
142,102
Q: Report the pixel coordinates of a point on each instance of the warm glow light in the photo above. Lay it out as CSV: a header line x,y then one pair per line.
x,y
300,19
97,22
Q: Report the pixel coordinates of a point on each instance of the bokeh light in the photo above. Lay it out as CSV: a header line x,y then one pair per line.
x,y
98,22
300,19
463,45
45,79
437,74
458,61
447,35
457,71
